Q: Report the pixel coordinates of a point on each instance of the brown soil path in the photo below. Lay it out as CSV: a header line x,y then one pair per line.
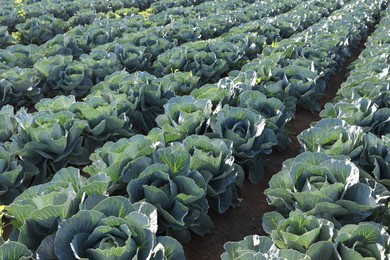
x,y
237,223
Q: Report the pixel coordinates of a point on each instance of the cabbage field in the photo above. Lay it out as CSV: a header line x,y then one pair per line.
x,y
195,129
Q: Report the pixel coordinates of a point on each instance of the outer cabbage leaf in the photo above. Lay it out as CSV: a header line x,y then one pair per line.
x,y
15,251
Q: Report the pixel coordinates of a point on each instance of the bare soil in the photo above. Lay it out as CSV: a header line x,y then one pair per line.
x,y
246,220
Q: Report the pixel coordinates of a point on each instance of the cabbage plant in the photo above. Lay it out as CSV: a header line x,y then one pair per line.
x,y
63,74
40,29
213,159
217,94
208,66
183,32
75,78
175,59
8,123
332,136
15,175
150,39
56,104
132,57
185,116
26,55
363,241
19,86
142,89
249,134
181,83
49,141
355,112
123,160
36,212
60,45
375,158
258,247
114,229
106,120
240,82
335,137
378,93
362,112
229,52
5,38
50,68
101,63
299,231
326,187
272,109
380,124
178,193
